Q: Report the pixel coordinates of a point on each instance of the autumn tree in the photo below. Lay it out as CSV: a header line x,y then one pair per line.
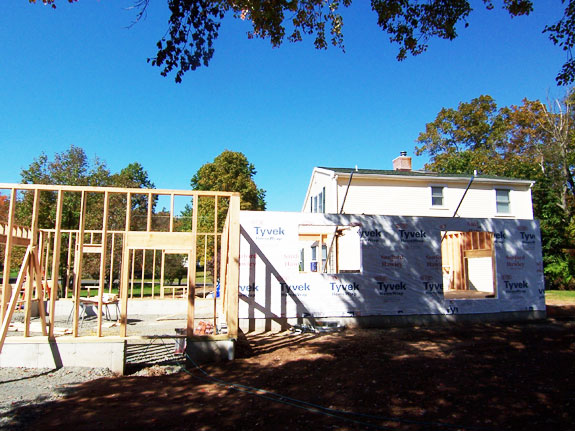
x,y
529,141
194,26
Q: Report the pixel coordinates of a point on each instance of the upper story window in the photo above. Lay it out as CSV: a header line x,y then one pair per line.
x,y
502,201
437,196
318,202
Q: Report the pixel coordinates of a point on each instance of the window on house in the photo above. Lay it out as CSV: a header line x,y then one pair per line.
x,y
330,249
302,260
502,201
318,202
437,196
313,261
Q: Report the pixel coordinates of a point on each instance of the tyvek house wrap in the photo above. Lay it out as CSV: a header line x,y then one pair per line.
x,y
401,270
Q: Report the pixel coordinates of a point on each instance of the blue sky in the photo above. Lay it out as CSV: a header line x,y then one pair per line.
x,y
78,75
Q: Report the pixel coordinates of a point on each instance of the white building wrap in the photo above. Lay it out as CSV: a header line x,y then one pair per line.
x,y
399,272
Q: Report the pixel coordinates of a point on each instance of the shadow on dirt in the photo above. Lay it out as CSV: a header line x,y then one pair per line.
x,y
497,376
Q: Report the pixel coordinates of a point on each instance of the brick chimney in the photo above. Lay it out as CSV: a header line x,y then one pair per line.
x,y
402,163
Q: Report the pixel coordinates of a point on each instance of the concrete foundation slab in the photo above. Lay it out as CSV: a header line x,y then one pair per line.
x,y
56,353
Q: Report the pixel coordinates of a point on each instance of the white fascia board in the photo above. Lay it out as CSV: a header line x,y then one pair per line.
x,y
319,171
439,178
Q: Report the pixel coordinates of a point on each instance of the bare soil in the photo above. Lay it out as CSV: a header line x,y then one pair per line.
x,y
493,376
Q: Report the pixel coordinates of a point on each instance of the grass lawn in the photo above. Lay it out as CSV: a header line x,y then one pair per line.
x,y
563,296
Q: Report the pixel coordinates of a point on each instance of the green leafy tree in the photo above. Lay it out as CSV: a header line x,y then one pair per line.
x,y
231,172
194,25
529,141
72,167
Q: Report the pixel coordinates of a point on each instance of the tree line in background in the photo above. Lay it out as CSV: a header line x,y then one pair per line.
x,y
532,141
230,171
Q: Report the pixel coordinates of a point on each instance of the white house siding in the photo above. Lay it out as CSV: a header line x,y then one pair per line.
x,y
321,179
411,196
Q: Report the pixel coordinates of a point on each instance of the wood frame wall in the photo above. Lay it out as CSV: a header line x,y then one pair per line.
x,y
456,247
39,272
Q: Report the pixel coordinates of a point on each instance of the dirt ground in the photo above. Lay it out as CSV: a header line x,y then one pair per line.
x,y
498,376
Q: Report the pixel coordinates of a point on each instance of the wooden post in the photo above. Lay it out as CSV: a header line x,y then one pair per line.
x,y
153,273
56,262
37,271
192,270
234,265
112,263
8,254
70,235
78,263
215,277
14,299
224,264
172,212
104,245
31,276
163,262
150,205
124,288
143,270
132,274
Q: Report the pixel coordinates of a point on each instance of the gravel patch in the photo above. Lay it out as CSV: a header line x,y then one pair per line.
x,y
20,387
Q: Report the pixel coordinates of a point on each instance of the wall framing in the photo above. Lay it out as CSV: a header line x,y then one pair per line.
x,y
111,229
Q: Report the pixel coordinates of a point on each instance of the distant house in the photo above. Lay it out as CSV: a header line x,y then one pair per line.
x,y
405,192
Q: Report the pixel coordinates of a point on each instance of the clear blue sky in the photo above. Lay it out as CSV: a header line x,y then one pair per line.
x,y
77,75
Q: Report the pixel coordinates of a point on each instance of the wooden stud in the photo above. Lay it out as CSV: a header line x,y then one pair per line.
x,y
172,212
150,205
68,263
143,270
78,264
104,245
192,272
132,274
162,274
153,273
37,271
112,253
8,254
124,288
234,259
14,298
56,263
128,212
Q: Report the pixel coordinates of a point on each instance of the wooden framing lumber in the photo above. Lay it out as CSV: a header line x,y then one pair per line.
x,y
78,263
44,250
56,263
192,272
14,298
104,250
8,255
233,265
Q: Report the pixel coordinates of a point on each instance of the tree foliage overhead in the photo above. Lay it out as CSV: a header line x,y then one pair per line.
x,y
194,25
529,141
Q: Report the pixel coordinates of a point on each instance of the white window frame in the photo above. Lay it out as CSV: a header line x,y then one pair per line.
x,y
443,197
509,211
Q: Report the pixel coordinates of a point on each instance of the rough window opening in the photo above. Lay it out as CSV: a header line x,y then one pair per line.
x,y
468,265
329,249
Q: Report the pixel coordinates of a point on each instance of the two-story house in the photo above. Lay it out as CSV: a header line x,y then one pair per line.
x,y
405,192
